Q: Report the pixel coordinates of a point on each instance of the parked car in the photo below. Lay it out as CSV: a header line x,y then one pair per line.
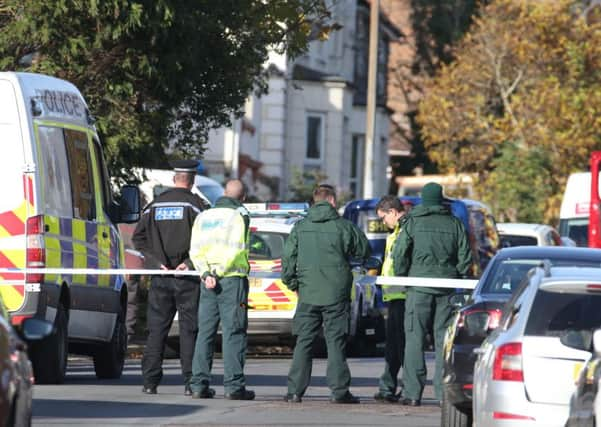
x,y
585,404
272,305
481,314
525,372
16,387
523,234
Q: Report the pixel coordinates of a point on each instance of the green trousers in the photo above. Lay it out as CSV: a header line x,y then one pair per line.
x,y
308,321
421,311
226,303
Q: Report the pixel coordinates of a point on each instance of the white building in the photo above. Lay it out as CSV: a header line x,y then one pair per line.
x,y
313,117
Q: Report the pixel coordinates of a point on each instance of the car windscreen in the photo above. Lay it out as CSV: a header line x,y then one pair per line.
x,y
508,240
506,275
266,245
553,312
211,192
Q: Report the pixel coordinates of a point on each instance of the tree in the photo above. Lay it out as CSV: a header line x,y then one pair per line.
x,y
525,84
157,73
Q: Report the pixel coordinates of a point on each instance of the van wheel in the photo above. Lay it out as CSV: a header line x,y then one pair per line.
x,y
49,356
110,358
453,416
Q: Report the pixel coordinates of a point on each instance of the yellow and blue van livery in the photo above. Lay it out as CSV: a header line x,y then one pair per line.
x,y
57,211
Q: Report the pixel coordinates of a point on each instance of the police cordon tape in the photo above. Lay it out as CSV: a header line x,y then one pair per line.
x,y
380,280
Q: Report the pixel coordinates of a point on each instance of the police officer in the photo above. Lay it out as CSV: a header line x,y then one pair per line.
x,y
163,236
432,243
390,210
315,265
219,249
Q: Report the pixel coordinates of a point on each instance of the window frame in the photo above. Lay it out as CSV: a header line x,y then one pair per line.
x,y
310,161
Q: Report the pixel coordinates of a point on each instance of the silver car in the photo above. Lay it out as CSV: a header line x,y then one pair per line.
x,y
526,370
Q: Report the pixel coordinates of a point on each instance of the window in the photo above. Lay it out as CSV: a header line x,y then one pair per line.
x,y
553,312
266,245
55,172
80,169
315,136
104,176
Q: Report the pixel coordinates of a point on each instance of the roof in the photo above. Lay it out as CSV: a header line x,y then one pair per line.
x,y
541,252
301,72
522,228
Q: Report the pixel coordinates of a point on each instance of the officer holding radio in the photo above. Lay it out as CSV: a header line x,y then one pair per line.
x,y
163,236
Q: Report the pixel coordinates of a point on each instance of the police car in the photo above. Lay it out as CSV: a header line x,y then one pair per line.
x,y
272,304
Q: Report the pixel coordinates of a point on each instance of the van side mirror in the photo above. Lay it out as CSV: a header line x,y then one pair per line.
x,y
129,206
580,339
597,342
36,329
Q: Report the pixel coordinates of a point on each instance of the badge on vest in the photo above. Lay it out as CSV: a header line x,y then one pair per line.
x,y
168,213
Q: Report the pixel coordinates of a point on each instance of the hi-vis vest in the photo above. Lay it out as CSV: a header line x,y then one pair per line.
x,y
219,242
391,292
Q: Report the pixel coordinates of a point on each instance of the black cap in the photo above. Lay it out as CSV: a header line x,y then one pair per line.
x,y
187,166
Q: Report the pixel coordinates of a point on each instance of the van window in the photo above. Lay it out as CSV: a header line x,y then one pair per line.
x,y
105,188
55,172
80,168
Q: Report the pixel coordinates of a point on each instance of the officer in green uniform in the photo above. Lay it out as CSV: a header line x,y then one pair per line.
x,y
390,210
315,265
219,249
432,243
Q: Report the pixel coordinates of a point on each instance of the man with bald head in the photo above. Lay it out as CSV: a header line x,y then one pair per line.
x,y
219,249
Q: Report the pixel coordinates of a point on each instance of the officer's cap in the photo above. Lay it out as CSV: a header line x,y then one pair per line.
x,y
187,166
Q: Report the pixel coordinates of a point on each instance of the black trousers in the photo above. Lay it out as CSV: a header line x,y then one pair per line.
x,y
394,353
166,295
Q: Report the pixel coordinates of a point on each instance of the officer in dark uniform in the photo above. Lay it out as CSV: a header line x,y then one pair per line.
x,y
163,236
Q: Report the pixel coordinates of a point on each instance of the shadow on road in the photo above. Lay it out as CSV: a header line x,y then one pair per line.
x,y
98,409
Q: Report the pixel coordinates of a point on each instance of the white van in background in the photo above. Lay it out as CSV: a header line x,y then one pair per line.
x,y
158,180
574,213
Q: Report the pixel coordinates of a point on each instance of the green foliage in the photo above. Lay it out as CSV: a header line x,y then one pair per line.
x,y
528,72
519,184
156,73
303,183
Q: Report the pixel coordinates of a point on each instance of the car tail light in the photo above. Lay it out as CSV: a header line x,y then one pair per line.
x,y
508,416
481,319
36,251
507,365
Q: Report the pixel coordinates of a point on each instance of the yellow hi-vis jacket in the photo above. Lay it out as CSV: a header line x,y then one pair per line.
x,y
219,243
391,292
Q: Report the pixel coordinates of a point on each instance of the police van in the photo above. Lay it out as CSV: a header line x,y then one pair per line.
x,y
57,211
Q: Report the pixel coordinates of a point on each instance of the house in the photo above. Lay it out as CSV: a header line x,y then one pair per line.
x,y
313,117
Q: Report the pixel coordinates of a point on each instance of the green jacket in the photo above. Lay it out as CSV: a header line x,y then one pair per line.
x,y
432,243
316,256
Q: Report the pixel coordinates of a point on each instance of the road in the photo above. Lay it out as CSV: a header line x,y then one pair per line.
x,y
84,400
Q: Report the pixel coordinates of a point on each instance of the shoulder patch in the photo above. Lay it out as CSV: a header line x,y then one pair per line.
x,y
169,213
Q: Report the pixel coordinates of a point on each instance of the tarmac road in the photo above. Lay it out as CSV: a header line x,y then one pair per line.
x,y
84,400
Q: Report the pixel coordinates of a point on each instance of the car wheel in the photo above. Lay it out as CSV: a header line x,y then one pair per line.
x,y
49,356
109,360
453,416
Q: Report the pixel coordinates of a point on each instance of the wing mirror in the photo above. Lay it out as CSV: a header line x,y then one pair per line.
x,y
459,299
36,329
129,209
597,342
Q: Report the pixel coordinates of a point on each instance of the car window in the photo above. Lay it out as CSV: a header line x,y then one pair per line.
x,y
553,313
506,275
508,240
211,192
266,245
